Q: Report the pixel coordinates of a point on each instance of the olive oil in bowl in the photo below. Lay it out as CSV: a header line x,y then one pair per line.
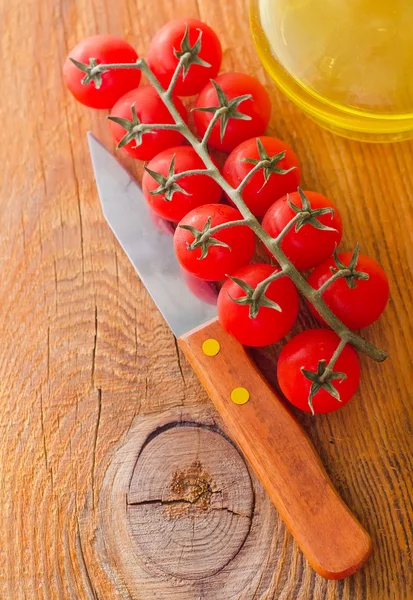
x,y
347,63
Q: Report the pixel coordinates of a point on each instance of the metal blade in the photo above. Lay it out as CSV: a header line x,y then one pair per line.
x,y
148,242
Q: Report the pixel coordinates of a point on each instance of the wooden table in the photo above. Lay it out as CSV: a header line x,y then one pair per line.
x,y
89,369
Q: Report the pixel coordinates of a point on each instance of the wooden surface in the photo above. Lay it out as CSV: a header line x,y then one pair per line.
x,y
193,525
86,359
333,541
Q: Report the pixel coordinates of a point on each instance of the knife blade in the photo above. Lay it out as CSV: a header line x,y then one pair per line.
x,y
275,445
149,248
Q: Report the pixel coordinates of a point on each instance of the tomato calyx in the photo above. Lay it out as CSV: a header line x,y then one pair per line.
x,y
349,272
203,239
268,163
134,128
322,379
92,71
190,54
308,215
227,109
167,185
255,298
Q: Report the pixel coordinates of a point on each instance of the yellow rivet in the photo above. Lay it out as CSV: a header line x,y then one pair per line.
x,y
211,347
240,395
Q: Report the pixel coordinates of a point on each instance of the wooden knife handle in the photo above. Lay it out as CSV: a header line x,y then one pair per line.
x,y
334,542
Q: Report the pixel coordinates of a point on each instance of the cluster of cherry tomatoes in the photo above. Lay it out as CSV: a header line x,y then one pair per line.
x,y
195,202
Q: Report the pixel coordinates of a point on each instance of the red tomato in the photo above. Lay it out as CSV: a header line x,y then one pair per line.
x,y
238,130
149,109
198,189
270,325
266,184
219,260
168,42
356,307
304,351
106,49
309,246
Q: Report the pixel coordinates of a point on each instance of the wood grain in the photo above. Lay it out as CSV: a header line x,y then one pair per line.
x,y
86,357
193,525
333,541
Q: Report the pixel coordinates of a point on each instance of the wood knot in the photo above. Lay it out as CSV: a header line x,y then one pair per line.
x,y
191,487
195,523
190,501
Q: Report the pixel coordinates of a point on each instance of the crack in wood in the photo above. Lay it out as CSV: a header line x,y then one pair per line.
x,y
95,440
48,355
116,266
77,189
136,337
178,356
161,502
94,346
83,567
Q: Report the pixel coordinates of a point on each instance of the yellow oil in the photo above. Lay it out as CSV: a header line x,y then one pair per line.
x,y
347,63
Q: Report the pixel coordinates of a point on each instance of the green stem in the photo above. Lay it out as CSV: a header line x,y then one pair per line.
x,y
287,228
211,125
158,126
333,360
190,173
101,68
272,244
186,132
210,232
250,174
168,93
263,285
341,273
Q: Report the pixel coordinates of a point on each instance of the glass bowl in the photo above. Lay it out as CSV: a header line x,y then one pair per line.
x,y
347,63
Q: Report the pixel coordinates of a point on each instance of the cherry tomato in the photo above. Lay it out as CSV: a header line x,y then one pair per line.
x,y
267,184
168,42
309,246
358,306
106,49
237,130
269,325
149,109
197,189
304,351
219,260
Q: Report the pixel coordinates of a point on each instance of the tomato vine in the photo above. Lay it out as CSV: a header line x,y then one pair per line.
x,y
134,130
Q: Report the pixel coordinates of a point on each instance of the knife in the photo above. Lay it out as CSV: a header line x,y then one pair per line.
x,y
333,541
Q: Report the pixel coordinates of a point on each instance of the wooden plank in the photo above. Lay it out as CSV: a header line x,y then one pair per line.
x,y
84,353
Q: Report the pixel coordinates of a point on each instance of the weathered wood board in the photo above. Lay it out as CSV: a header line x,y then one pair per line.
x,y
87,365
